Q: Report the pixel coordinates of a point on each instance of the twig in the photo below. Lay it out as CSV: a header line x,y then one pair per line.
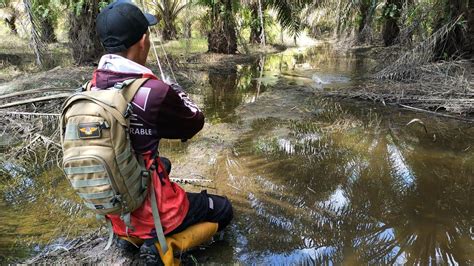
x,y
234,187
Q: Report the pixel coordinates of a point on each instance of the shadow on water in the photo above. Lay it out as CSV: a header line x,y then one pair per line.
x,y
341,183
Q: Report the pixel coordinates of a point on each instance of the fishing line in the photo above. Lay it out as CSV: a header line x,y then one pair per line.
x,y
163,76
166,56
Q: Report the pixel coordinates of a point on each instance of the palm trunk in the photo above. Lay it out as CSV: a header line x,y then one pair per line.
x,y
83,39
337,30
222,38
391,30
187,23
262,24
469,42
169,30
47,31
38,47
366,9
457,42
255,26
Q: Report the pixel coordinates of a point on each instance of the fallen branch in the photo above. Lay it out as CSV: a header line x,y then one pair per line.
x,y
435,113
19,93
28,113
40,99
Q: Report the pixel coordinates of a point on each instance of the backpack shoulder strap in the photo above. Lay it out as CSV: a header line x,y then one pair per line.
x,y
131,89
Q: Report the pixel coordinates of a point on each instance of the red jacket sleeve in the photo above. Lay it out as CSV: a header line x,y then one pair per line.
x,y
178,116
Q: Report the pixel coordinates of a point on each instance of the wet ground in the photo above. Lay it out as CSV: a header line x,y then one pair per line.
x,y
312,180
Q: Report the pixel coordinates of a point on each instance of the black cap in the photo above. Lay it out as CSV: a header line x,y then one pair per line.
x,y
121,24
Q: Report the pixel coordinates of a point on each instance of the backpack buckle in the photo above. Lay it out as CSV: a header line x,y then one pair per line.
x,y
145,179
118,85
145,174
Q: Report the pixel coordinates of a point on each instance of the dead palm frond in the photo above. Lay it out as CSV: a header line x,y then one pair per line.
x,y
406,67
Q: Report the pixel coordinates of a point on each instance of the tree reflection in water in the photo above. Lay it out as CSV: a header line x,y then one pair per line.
x,y
358,190
230,87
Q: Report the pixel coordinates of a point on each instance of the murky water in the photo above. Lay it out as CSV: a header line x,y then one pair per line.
x,y
312,180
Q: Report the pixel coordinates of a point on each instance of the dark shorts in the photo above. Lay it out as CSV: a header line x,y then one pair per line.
x,y
203,207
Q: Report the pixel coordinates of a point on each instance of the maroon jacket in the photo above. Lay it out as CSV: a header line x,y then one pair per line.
x,y
159,110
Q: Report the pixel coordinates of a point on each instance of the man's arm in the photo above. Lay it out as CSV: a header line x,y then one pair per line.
x,y
178,117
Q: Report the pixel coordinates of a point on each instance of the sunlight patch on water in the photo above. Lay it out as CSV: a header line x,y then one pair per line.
x,y
302,256
337,199
399,165
286,146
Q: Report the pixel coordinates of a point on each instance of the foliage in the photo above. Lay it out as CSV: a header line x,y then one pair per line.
x,y
167,12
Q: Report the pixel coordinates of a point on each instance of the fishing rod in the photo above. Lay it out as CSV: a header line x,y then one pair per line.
x,y
164,78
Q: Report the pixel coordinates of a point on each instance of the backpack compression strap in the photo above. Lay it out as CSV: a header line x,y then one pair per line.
x,y
129,89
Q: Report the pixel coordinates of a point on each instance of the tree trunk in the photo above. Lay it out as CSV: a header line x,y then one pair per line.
x,y
366,9
83,39
262,23
337,29
38,47
222,38
187,32
457,42
255,25
169,32
390,29
47,31
469,43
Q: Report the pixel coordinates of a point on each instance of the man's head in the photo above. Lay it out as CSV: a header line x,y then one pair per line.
x,y
123,29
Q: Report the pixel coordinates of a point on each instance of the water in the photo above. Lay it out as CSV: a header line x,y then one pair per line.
x,y
312,180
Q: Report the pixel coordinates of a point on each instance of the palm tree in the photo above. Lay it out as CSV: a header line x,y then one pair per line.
x,y
222,37
288,15
83,39
167,11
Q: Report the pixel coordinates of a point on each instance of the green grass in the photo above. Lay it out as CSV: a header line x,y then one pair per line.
x,y
183,47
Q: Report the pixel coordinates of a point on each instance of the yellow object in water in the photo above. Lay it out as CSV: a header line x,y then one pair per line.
x,y
193,236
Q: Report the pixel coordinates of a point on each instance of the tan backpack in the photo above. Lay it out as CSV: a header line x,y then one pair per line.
x,y
98,158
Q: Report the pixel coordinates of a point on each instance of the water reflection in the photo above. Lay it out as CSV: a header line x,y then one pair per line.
x,y
36,207
230,87
364,194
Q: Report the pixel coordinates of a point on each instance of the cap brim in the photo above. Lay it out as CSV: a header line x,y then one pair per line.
x,y
151,19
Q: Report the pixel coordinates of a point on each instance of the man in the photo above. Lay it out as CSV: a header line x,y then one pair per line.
x,y
159,111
